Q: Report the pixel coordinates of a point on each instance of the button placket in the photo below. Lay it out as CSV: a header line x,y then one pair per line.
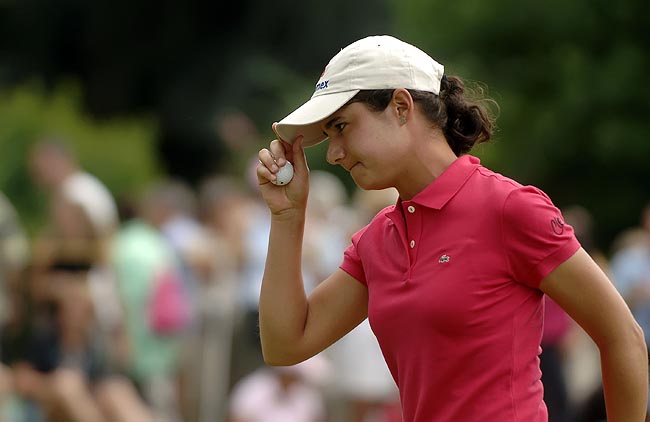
x,y
413,228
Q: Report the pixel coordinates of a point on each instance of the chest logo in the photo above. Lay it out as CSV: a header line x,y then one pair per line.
x,y
443,259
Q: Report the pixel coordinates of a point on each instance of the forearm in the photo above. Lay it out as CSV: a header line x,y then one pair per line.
x,y
589,297
625,379
283,302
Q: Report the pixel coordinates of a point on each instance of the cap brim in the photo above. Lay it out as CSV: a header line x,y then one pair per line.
x,y
306,119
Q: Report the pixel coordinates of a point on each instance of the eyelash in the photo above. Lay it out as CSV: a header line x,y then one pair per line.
x,y
339,128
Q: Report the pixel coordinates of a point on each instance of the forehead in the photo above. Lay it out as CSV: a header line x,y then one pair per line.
x,y
348,110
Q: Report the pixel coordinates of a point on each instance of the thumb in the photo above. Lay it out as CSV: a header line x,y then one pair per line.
x,y
299,159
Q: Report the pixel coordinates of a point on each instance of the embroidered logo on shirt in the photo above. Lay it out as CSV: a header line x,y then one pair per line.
x,y
557,225
443,259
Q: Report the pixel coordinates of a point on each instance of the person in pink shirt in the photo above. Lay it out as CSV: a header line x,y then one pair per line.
x,y
452,277
555,340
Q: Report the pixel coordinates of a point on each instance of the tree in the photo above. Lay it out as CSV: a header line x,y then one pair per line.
x,y
571,81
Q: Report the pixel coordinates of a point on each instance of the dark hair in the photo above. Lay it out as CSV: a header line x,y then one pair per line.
x,y
462,114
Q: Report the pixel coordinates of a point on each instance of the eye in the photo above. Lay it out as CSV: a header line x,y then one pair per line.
x,y
340,126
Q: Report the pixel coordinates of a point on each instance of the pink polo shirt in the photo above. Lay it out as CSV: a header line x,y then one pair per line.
x,y
453,278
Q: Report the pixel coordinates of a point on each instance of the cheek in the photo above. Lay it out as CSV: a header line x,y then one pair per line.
x,y
386,151
373,141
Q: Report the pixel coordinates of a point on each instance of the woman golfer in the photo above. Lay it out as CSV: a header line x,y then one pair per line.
x,y
452,276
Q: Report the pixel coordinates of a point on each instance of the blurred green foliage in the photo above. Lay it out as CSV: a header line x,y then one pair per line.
x,y
120,151
571,81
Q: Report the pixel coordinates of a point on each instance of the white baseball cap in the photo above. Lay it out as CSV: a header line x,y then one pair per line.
x,y
377,62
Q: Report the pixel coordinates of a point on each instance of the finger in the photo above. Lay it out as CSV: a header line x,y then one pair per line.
x,y
264,175
288,151
278,152
267,159
298,155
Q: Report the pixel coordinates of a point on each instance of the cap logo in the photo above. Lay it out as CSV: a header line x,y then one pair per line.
x,y
322,85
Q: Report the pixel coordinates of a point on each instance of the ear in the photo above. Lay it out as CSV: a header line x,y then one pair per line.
x,y
402,105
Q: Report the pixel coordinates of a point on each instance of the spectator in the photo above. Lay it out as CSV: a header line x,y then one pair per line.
x,y
221,197
557,325
630,267
66,361
54,167
282,394
14,256
155,316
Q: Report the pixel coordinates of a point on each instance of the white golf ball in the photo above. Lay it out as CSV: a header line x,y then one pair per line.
x,y
284,175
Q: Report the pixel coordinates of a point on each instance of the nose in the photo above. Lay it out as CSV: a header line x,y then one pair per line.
x,y
335,152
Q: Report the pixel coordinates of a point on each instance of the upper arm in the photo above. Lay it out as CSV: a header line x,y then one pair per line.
x,y
583,290
336,306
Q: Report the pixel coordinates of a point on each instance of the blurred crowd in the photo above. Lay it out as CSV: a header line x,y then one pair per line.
x,y
145,309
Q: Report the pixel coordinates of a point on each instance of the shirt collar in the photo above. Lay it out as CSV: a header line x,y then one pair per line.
x,y
445,186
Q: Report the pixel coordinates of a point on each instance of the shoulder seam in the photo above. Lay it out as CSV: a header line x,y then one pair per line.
x,y
488,173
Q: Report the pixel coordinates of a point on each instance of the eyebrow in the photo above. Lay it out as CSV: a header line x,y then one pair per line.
x,y
332,122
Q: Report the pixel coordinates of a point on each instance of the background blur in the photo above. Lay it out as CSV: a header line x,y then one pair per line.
x,y
144,84
144,92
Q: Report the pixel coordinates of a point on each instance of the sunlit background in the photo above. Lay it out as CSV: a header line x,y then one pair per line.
x,y
167,103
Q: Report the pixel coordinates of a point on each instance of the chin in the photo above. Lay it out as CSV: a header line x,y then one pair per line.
x,y
368,184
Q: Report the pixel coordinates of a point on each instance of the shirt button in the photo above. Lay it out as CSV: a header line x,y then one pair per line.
x,y
411,209
412,244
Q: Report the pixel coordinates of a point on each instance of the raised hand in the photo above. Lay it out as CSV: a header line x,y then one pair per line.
x,y
292,196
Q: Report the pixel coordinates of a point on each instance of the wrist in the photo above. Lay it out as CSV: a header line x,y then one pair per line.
x,y
292,216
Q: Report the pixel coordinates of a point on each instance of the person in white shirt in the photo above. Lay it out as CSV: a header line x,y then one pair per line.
x,y
54,167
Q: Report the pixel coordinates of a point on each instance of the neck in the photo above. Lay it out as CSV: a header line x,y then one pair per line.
x,y
431,157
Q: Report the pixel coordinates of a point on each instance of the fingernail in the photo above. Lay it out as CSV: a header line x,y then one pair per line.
x,y
281,161
274,168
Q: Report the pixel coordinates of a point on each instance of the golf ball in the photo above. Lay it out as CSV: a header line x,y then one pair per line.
x,y
284,175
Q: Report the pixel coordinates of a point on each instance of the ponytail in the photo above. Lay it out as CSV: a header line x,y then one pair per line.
x,y
468,118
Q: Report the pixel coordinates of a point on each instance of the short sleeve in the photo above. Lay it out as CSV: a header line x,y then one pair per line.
x,y
352,261
536,238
